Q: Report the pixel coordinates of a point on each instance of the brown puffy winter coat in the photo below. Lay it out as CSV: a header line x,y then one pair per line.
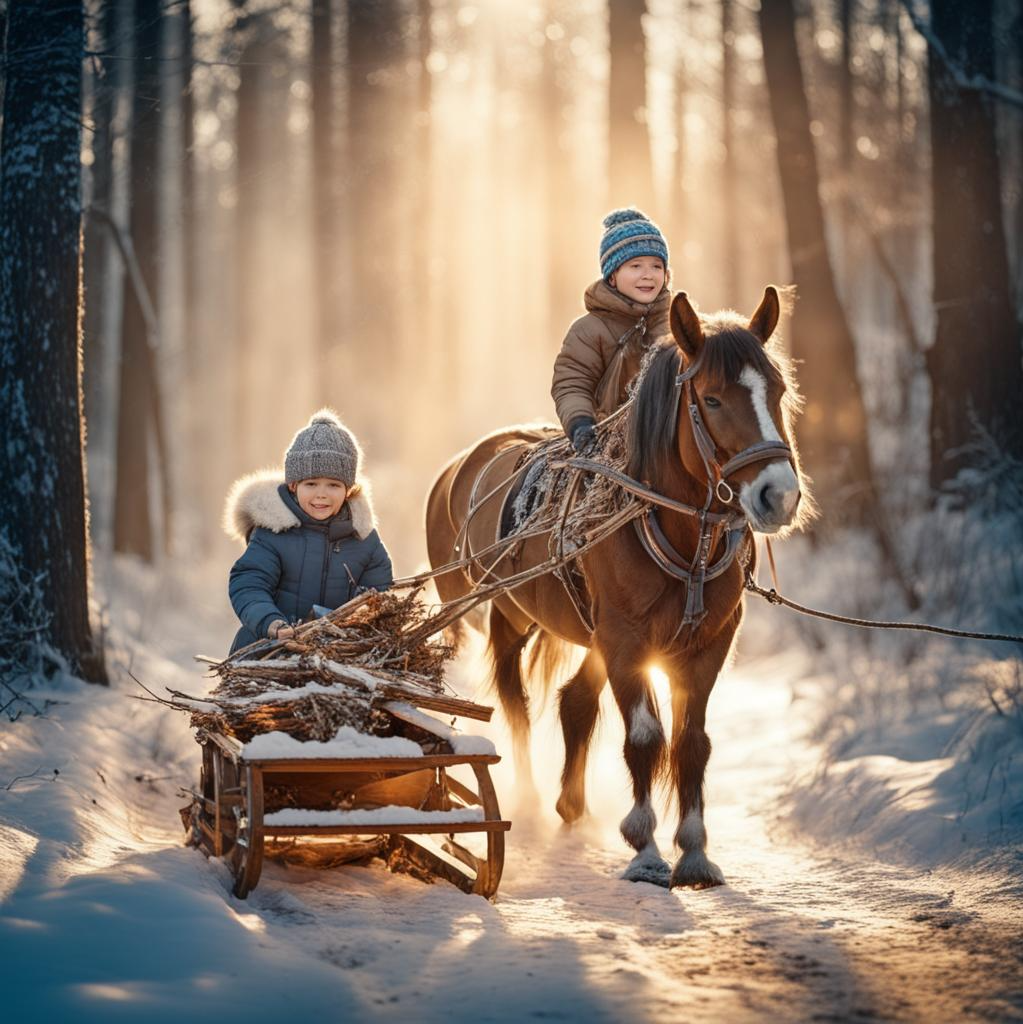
x,y
603,350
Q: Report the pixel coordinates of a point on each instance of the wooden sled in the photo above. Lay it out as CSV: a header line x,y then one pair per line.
x,y
226,818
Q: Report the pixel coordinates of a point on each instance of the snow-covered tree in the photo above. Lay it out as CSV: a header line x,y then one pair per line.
x,y
43,498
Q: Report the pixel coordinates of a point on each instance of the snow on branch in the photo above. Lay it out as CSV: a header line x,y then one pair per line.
x,y
25,656
973,83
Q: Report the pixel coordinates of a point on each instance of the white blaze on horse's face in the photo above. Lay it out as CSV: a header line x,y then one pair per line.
x,y
770,500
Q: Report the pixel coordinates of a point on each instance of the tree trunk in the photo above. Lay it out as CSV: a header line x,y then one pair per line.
x,y
43,500
846,146
846,256
561,212
833,434
133,507
974,364
422,283
729,179
324,196
375,130
189,233
631,177
98,252
249,128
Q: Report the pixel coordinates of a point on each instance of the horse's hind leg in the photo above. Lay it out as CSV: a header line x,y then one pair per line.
x,y
506,643
578,704
644,754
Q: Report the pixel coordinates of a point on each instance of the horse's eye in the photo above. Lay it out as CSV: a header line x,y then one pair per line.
x,y
711,402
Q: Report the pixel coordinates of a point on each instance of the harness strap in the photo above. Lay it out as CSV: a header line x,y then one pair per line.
x,y
627,483
680,565
707,448
693,574
759,452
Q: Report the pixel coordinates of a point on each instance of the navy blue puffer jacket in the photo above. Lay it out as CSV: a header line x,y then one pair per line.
x,y
293,561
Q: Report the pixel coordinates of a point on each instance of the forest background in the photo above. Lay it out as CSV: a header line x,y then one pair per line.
x,y
393,206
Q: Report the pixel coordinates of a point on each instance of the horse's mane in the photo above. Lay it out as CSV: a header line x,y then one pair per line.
x,y
728,347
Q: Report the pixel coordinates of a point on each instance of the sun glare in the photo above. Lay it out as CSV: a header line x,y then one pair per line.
x,y
659,681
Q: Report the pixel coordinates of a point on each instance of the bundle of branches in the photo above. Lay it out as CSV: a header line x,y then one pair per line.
x,y
339,670
311,717
540,505
375,631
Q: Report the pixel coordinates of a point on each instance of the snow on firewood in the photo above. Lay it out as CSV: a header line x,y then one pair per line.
x,y
331,683
461,743
346,742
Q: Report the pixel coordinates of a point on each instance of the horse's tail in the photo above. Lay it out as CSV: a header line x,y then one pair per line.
x,y
518,680
547,660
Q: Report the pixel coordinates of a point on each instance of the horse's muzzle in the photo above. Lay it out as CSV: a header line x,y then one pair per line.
x,y
771,499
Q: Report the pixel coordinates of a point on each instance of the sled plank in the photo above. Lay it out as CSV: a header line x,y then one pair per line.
x,y
369,764
378,829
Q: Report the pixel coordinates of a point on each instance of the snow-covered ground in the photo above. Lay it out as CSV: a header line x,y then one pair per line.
x,y
859,886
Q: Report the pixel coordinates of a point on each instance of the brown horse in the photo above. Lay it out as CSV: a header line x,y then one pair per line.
x,y
709,430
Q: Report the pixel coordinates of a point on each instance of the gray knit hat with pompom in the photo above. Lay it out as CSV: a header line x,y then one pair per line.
x,y
326,447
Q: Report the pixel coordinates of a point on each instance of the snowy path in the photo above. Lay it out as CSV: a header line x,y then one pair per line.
x,y
794,935
103,916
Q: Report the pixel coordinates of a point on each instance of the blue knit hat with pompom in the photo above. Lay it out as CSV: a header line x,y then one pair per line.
x,y
629,233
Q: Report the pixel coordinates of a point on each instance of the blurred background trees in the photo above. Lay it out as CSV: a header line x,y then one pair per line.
x,y
393,207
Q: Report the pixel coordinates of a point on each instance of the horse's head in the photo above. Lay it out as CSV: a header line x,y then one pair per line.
x,y
719,401
736,394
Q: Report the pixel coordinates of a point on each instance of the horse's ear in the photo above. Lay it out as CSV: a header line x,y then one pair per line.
x,y
685,326
765,319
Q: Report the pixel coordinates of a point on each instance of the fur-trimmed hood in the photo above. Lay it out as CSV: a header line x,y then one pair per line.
x,y
253,501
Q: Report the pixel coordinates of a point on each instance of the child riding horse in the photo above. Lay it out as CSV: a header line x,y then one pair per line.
x,y
709,432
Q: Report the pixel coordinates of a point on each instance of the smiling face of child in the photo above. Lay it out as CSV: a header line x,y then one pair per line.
x,y
640,279
320,497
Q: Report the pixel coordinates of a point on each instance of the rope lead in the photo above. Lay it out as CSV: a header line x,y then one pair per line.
x,y
773,597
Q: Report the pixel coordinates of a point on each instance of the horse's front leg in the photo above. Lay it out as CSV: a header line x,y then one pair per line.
x,y
644,755
692,680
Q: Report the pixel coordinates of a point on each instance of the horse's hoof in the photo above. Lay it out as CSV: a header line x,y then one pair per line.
x,y
648,867
694,871
570,810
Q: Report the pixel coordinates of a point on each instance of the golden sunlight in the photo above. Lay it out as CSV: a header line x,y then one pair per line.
x,y
662,689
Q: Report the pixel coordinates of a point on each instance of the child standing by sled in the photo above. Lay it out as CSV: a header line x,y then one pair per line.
x,y
627,310
310,534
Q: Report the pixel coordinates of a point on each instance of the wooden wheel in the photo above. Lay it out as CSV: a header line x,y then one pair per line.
x,y
227,797
489,871
409,853
246,854
203,815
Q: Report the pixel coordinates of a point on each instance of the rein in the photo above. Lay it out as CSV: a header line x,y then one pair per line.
x,y
773,597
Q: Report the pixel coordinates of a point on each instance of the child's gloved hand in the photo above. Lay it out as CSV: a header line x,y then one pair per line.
x,y
279,630
584,435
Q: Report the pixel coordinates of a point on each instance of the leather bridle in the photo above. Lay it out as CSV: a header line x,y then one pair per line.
x,y
718,473
712,525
